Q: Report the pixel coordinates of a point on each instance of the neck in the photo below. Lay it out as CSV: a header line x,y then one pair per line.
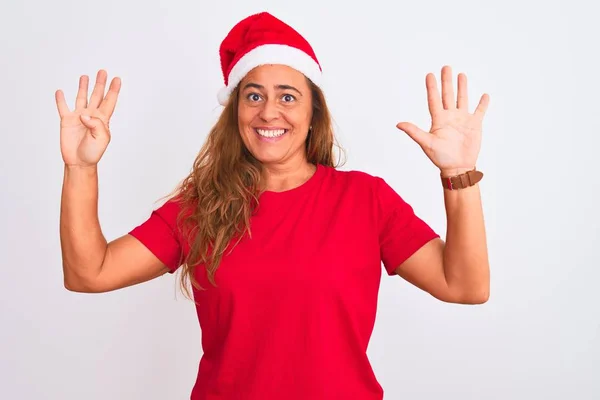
x,y
282,177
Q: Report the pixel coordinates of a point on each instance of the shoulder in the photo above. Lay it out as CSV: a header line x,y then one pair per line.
x,y
353,177
170,211
365,188
357,181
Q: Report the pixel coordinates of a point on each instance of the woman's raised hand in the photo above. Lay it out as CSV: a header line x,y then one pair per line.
x,y
84,132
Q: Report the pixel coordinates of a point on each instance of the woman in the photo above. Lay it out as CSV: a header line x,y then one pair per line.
x,y
283,251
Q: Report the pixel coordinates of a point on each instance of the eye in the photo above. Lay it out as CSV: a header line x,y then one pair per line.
x,y
288,98
253,97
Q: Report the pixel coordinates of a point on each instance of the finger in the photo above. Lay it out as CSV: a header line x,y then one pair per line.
x,y
96,125
433,94
98,93
447,88
482,106
61,104
108,104
462,101
415,133
81,100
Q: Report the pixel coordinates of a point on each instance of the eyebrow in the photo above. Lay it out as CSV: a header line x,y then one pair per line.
x,y
279,87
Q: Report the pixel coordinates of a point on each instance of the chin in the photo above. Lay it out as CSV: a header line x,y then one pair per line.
x,y
269,157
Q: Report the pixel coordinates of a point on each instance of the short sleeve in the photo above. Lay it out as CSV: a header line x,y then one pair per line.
x,y
159,234
401,231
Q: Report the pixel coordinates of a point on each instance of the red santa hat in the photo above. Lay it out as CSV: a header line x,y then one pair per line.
x,y
263,39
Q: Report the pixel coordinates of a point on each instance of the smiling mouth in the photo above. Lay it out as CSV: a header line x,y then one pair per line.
x,y
271,133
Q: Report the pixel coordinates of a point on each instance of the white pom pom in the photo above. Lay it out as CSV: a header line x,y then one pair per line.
x,y
223,95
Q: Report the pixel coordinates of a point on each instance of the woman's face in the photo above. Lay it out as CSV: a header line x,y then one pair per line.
x,y
274,114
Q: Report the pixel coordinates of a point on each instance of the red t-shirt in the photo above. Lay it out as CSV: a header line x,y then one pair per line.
x,y
295,304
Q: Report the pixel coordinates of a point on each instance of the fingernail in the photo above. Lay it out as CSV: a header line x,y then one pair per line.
x,y
86,117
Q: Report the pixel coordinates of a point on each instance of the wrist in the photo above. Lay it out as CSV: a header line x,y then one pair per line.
x,y
76,167
72,171
449,172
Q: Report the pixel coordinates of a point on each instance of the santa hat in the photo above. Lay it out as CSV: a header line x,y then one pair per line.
x,y
263,39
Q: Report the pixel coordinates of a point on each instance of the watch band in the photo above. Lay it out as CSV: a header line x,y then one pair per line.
x,y
462,181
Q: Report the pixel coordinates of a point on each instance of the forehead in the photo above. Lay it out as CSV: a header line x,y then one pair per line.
x,y
275,74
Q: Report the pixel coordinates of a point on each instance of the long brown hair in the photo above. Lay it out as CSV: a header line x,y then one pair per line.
x,y
221,192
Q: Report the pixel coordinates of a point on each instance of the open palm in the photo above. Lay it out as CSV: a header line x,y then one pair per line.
x,y
454,138
83,140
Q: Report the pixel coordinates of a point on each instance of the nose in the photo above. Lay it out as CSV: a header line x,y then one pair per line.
x,y
269,110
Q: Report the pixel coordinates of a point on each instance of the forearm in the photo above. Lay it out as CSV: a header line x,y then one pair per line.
x,y
466,264
82,243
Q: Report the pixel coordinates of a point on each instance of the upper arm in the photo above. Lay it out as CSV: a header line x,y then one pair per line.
x,y
127,262
409,247
425,270
150,250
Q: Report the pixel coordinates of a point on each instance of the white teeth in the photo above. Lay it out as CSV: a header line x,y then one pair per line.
x,y
270,133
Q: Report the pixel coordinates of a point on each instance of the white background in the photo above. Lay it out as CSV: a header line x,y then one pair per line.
x,y
537,338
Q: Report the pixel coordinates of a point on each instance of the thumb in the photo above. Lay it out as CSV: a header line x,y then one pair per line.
x,y
415,133
94,124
